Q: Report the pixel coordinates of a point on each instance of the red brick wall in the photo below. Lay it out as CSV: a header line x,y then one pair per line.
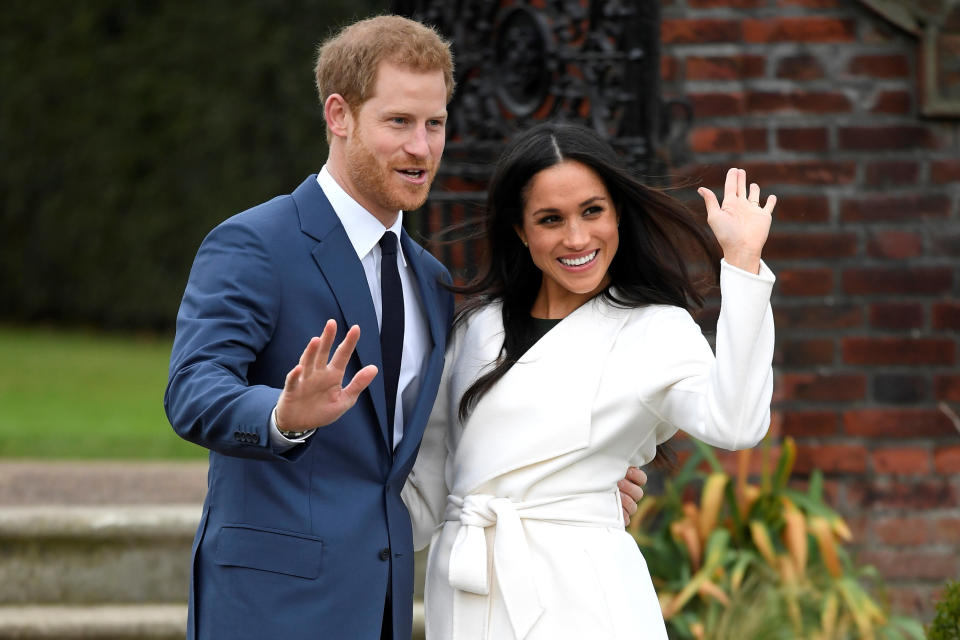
x,y
817,100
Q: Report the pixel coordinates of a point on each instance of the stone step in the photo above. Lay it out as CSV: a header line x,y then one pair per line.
x,y
96,554
111,622
94,622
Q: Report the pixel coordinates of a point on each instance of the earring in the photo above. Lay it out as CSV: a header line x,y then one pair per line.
x,y
525,243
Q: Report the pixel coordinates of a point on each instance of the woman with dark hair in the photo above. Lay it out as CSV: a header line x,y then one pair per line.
x,y
574,356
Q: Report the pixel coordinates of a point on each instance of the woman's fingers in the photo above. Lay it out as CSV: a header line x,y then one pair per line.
x,y
771,203
754,195
709,200
730,185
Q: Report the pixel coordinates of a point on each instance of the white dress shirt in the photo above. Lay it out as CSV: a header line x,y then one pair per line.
x,y
364,232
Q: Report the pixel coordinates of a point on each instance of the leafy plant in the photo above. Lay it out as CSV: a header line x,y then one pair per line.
x,y
946,623
757,561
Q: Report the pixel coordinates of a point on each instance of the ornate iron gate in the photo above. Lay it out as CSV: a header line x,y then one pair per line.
x,y
596,62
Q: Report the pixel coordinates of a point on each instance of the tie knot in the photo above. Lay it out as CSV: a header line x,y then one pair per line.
x,y
388,244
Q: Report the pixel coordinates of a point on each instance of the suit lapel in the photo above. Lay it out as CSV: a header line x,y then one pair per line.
x,y
414,423
342,270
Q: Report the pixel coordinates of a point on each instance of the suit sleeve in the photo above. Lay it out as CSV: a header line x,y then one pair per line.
x,y
723,400
226,318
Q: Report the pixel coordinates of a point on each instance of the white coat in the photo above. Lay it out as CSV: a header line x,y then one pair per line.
x,y
532,544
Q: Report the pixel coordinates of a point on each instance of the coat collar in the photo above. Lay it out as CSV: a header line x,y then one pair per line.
x,y
562,371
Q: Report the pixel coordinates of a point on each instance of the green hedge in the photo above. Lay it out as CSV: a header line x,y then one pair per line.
x,y
129,128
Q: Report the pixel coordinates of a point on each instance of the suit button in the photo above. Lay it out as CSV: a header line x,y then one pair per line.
x,y
237,436
384,554
254,438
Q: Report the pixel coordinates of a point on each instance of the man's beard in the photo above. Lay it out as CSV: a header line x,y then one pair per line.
x,y
379,183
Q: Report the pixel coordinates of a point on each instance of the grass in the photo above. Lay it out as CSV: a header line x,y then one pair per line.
x,y
72,394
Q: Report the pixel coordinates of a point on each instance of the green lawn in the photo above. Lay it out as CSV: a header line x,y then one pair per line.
x,y
70,394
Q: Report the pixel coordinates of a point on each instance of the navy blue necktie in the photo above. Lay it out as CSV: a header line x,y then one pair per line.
x,y
391,324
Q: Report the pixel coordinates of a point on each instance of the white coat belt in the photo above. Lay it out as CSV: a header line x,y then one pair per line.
x,y
511,556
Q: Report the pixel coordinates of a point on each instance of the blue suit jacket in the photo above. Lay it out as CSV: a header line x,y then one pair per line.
x,y
294,544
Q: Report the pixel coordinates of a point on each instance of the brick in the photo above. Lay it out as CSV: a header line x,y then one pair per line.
x,y
883,174
888,208
888,493
812,4
903,280
798,208
804,352
894,244
800,67
946,315
946,530
727,140
819,316
803,139
896,315
945,243
740,4
914,565
797,101
893,351
687,31
899,388
811,387
821,245
947,459
897,423
899,530
803,172
805,282
947,387
901,461
880,66
668,69
714,105
892,102
810,423
884,138
944,171
724,67
799,30
835,458
911,600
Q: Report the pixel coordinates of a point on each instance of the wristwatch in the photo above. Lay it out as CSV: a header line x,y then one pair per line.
x,y
290,435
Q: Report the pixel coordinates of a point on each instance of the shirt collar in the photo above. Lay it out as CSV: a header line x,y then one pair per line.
x,y
363,229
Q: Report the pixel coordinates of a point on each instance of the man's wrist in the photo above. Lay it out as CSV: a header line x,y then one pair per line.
x,y
289,435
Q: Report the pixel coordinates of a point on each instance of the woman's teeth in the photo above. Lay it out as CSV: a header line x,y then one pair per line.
x,y
576,262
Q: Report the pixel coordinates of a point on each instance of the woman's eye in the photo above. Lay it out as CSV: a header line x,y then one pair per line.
x,y
593,210
548,219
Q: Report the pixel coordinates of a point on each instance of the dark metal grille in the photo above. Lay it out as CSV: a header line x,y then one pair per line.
x,y
595,62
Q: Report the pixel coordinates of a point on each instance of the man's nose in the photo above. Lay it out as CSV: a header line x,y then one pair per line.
x,y
417,145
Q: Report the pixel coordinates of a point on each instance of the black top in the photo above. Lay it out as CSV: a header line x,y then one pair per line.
x,y
538,328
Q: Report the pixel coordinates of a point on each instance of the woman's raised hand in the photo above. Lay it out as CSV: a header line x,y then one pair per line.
x,y
740,224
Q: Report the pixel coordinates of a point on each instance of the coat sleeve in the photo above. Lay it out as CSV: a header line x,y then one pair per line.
x,y
723,400
425,492
226,318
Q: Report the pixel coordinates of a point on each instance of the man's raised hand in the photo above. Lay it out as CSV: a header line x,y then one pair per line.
x,y
313,395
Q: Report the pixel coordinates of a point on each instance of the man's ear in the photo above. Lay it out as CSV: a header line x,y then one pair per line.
x,y
338,115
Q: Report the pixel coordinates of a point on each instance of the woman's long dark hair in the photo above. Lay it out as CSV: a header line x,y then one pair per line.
x,y
664,250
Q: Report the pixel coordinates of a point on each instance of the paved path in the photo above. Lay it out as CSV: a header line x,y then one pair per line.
x,y
26,482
